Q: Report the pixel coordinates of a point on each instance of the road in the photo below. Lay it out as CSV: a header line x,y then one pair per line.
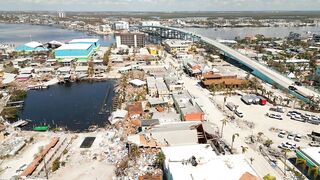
x,y
214,115
275,76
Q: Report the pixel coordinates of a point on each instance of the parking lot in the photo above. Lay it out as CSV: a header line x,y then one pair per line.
x,y
257,114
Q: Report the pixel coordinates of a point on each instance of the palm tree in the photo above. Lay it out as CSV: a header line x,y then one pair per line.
x,y
269,177
315,170
224,122
134,151
268,143
285,155
269,94
233,138
160,158
244,149
224,101
302,162
259,136
251,160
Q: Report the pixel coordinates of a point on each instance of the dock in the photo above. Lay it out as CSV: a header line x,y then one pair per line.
x,y
37,87
20,123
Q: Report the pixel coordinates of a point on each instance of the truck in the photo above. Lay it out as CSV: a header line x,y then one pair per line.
x,y
247,99
231,106
255,99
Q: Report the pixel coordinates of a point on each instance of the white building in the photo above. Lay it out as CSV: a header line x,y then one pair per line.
x,y
198,162
150,23
121,25
61,14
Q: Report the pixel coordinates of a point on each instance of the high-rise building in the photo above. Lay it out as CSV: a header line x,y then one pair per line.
x,y
130,39
61,14
120,25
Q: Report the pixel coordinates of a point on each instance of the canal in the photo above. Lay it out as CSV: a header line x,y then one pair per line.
x,y
75,106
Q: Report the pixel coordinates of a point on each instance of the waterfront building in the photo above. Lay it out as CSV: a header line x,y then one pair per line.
x,y
79,51
130,39
64,70
199,162
31,46
94,42
186,106
82,69
120,25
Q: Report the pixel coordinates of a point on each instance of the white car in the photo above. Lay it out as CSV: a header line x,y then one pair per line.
x,y
297,137
282,134
314,144
290,136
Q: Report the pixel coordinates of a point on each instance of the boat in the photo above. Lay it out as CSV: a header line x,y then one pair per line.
x,y
41,128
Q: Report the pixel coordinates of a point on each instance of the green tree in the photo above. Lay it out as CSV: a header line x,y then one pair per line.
x,y
269,177
160,158
244,149
56,164
314,170
268,143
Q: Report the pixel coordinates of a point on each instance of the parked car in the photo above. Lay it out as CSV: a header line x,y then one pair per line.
x,y
277,109
238,113
282,134
297,137
274,116
290,136
314,144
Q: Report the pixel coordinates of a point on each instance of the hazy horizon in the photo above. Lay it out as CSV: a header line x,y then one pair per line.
x,y
160,5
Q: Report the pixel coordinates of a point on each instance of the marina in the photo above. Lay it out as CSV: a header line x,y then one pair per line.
x,y
74,106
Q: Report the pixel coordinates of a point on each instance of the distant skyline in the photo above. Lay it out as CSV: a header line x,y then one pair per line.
x,y
159,5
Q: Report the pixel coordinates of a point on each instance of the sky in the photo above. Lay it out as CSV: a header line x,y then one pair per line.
x,y
159,5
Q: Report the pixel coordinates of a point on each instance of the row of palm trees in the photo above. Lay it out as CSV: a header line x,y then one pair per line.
x,y
311,170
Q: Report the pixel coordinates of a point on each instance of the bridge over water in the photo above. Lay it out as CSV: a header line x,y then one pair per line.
x,y
259,70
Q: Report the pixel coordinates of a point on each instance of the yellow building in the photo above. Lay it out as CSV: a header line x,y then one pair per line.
x,y
153,50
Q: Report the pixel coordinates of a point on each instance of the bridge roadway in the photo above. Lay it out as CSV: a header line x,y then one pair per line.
x,y
254,65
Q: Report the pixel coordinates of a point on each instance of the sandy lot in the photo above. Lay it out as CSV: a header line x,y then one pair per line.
x,y
25,156
80,163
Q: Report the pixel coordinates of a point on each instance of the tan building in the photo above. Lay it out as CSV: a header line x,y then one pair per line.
x,y
130,39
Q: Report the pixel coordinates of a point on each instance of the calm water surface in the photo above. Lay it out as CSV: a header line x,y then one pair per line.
x,y
75,105
22,33
231,33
